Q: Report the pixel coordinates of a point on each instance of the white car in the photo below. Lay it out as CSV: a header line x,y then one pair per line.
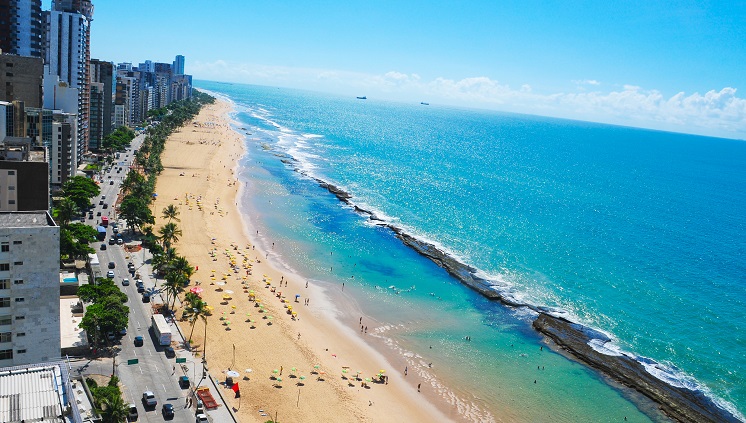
x,y
201,418
110,274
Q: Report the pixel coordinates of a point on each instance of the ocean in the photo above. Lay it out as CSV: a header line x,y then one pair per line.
x,y
637,233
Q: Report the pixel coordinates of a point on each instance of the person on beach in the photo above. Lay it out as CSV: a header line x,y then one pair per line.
x,y
418,387
405,370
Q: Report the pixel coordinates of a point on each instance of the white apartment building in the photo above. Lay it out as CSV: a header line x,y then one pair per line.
x,y
29,288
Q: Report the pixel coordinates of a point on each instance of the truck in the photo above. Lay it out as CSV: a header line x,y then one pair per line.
x,y
161,330
101,233
104,221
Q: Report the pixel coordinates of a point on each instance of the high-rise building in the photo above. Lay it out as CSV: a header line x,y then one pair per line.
x,y
178,66
102,102
146,66
21,27
67,34
24,185
29,288
21,79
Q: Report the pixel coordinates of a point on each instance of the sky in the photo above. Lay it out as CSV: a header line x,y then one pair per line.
x,y
669,65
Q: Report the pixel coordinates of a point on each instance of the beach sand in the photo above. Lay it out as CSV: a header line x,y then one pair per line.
x,y
199,163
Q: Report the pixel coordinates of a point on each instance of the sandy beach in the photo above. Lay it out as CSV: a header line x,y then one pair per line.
x,y
309,352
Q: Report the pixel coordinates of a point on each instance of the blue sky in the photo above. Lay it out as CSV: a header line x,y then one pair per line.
x,y
672,65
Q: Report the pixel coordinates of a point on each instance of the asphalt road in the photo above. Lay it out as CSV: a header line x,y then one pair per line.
x,y
153,371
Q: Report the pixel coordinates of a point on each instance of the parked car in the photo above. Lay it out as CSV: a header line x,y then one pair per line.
x,y
169,351
145,297
201,418
110,274
148,399
132,412
115,229
184,382
120,241
138,341
168,411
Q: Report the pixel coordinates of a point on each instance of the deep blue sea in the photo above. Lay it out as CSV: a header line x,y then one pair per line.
x,y
638,233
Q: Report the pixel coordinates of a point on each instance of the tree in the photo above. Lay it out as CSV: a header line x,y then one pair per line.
x,y
132,182
171,212
136,211
181,265
82,232
119,139
174,286
97,293
113,409
195,309
109,315
72,248
80,190
169,233
66,210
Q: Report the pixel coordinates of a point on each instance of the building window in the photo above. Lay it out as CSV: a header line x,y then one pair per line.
x,y
11,172
20,317
17,242
17,263
4,267
11,201
20,299
5,337
4,283
21,334
5,247
6,354
18,282
5,320
21,351
11,188
5,302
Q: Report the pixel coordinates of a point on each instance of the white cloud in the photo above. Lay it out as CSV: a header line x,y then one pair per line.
x,y
720,113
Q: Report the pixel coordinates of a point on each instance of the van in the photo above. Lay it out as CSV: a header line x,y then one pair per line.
x,y
132,412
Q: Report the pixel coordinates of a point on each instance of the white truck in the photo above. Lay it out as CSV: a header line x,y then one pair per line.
x,y
161,330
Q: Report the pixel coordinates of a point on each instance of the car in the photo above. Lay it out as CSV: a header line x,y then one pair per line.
x,y
111,182
201,418
130,265
110,274
145,297
184,382
120,241
167,411
123,332
148,399
112,241
125,282
118,235
105,206
115,229
169,351
110,336
132,412
103,246
139,341
101,202
112,265
140,288
103,197
90,215
98,213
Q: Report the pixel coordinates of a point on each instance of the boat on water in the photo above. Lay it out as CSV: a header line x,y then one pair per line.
x,y
424,104
362,98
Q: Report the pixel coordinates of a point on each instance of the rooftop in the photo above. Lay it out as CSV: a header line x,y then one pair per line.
x,y
33,393
25,219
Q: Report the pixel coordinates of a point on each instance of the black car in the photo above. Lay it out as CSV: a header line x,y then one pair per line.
x,y
169,351
168,411
106,205
138,341
140,287
184,382
103,246
145,297
111,182
112,241
112,265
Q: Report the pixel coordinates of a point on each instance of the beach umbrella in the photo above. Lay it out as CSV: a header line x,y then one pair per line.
x,y
316,366
232,373
248,370
275,371
382,371
228,291
279,379
293,369
344,370
367,379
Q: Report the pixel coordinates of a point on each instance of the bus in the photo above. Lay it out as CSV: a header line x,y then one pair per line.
x,y
104,221
161,330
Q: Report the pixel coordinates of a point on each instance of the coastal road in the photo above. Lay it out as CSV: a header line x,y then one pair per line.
x,y
152,371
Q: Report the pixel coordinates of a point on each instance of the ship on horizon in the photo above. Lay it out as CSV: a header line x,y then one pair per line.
x,y
362,98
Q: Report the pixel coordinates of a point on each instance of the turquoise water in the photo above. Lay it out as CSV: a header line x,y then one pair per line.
x,y
70,280
638,233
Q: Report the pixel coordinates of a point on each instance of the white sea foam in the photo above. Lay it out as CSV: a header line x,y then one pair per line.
x,y
605,347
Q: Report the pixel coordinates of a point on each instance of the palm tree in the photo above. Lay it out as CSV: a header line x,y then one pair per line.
x,y
195,309
181,264
66,211
171,212
170,233
162,260
174,286
113,409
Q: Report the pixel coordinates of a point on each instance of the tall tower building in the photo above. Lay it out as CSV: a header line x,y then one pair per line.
x,y
21,27
178,67
102,101
67,34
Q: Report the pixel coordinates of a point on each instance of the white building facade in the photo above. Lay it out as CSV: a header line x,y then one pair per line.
x,y
29,288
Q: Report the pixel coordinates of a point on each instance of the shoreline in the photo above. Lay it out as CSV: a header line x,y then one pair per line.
x,y
677,403
209,152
